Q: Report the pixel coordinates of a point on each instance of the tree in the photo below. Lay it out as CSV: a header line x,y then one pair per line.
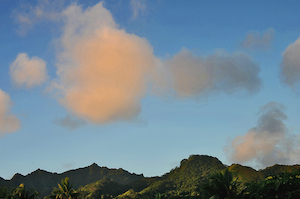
x,y
21,193
221,185
64,191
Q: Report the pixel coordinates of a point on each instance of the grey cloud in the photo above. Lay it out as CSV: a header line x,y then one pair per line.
x,y
191,75
271,119
290,65
69,122
68,165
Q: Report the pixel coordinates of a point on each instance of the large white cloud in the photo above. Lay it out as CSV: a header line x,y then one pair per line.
x,y
102,69
268,143
8,122
27,72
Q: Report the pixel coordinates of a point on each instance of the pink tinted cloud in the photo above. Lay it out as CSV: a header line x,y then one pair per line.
x,y
268,143
28,73
102,69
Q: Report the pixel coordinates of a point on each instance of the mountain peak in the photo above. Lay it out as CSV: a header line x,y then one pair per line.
x,y
196,165
39,172
203,159
2,179
94,165
279,168
17,176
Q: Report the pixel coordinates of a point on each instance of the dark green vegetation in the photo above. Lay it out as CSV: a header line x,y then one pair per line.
x,y
196,177
21,192
222,185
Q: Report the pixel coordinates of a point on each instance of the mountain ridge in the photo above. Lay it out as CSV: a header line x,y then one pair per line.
x,y
43,181
94,180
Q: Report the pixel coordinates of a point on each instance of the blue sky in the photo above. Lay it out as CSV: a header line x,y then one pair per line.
x,y
142,84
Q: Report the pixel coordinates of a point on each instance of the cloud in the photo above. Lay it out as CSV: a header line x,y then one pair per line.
x,y
268,143
255,41
190,75
9,123
138,7
69,122
290,65
27,72
27,16
102,70
68,165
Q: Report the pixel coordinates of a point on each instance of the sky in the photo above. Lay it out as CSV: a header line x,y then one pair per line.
x,y
141,85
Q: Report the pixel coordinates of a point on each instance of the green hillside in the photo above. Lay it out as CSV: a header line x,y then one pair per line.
x,y
183,181
245,174
105,188
279,169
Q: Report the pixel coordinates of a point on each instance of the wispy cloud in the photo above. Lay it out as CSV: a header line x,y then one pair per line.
x,y
68,165
268,143
27,16
70,123
138,8
290,65
27,72
257,41
8,122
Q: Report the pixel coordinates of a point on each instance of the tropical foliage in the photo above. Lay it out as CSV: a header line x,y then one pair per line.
x,y
22,193
284,185
64,191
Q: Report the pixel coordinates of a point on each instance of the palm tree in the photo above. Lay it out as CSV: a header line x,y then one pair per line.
x,y
221,186
21,193
64,191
